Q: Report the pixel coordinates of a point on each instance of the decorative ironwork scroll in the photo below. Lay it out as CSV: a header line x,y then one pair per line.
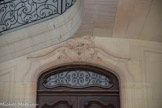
x,y
78,79
15,14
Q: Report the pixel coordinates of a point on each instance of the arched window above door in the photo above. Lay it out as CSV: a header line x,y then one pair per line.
x,y
78,79
78,86
78,76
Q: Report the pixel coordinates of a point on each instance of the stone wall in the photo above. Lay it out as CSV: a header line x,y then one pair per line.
x,y
137,64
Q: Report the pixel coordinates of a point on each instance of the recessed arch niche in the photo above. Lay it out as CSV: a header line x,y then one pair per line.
x,y
78,86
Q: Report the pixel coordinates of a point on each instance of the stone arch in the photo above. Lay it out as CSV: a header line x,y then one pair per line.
x,y
82,51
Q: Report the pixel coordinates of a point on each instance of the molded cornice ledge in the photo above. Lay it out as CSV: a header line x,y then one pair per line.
x,y
41,35
85,47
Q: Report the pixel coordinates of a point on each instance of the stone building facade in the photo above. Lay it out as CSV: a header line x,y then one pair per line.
x,y
27,53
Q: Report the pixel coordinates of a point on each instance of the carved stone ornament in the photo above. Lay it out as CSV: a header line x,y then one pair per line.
x,y
74,49
77,49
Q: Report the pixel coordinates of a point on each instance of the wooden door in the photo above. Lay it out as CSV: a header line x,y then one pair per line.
x,y
78,86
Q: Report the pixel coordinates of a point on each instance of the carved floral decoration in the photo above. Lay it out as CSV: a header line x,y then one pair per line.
x,y
78,48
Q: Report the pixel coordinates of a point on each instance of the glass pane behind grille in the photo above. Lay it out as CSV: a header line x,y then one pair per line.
x,y
78,79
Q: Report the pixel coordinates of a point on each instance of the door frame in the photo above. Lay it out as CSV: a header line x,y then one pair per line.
x,y
95,69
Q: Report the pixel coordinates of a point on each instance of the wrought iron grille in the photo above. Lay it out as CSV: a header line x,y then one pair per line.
x,y
16,14
78,79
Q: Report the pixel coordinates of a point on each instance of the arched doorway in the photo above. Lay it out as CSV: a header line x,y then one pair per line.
x,y
78,86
